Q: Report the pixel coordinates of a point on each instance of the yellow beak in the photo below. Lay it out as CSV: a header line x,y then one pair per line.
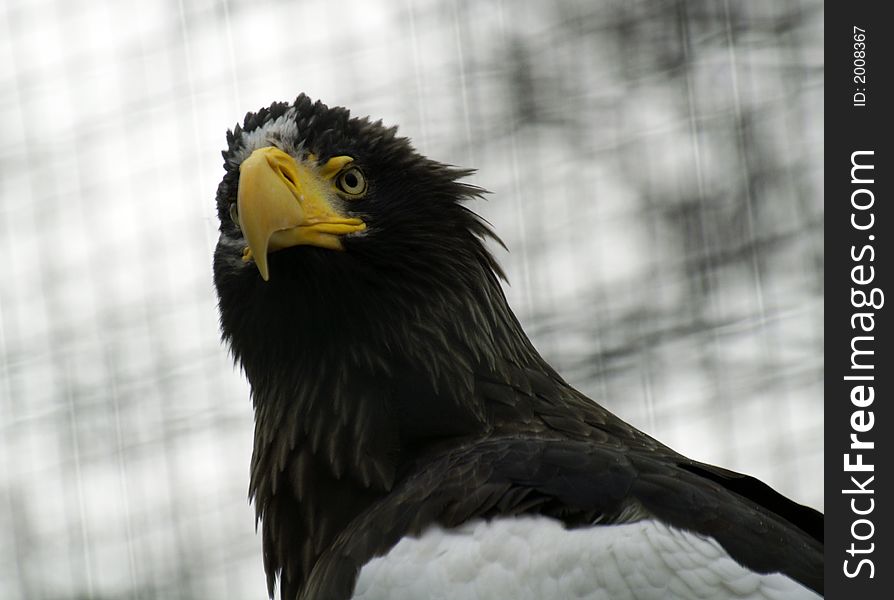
x,y
283,203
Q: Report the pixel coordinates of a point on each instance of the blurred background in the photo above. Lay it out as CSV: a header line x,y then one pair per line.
x,y
656,170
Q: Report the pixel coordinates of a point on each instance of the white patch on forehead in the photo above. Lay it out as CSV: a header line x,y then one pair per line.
x,y
281,132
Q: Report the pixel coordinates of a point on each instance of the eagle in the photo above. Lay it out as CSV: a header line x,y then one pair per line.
x,y
409,440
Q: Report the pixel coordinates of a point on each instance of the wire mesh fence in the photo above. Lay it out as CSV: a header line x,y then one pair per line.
x,y
656,173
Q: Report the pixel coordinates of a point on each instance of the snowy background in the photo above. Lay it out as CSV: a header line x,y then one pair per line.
x,y
656,170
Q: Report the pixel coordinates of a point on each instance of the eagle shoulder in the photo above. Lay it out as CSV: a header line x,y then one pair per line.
x,y
533,557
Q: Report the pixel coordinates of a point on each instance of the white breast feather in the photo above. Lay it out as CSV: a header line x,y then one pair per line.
x,y
536,558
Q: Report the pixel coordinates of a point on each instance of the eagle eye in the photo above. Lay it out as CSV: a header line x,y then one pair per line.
x,y
352,182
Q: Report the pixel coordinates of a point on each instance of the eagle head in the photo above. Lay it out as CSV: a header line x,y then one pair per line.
x,y
335,230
